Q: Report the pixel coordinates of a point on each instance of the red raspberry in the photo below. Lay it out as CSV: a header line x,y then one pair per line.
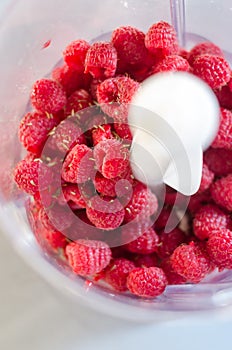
x,y
219,247
95,121
79,164
105,213
219,161
183,53
93,87
104,186
163,218
114,96
112,158
32,176
34,129
88,257
48,96
123,131
145,244
66,136
224,135
161,39
101,60
54,238
56,217
117,272
202,49
147,282
172,276
32,209
78,105
207,219
113,187
198,200
214,70
69,78
146,260
130,46
75,53
142,205
73,196
190,262
221,192
230,84
170,241
172,64
224,96
206,178
100,133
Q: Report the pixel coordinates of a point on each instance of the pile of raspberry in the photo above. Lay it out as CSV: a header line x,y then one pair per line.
x,y
85,204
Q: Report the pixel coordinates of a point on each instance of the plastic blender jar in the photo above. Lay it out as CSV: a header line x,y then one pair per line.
x,y
25,28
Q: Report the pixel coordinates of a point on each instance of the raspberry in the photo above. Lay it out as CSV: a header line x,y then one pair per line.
x,y
66,136
75,53
34,129
56,218
170,241
112,158
93,87
224,135
32,176
79,164
190,262
104,186
88,257
197,200
221,192
183,53
69,78
206,178
202,49
117,272
105,213
219,161
129,43
214,70
100,133
145,244
161,39
172,64
147,282
78,101
73,196
123,131
54,238
142,205
101,60
114,95
95,121
48,96
146,260
172,276
219,247
207,219
224,96
163,218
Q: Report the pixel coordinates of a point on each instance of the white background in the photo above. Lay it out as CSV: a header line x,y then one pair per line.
x,y
34,317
